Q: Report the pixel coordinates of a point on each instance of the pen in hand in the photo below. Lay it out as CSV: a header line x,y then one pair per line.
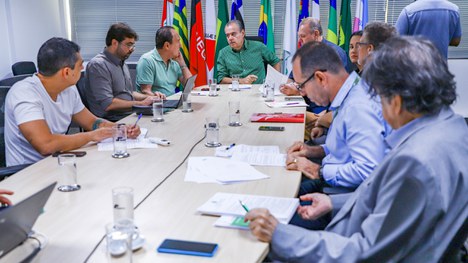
x,y
230,146
244,206
136,122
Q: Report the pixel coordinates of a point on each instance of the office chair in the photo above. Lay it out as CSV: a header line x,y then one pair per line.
x,y
23,67
12,80
254,38
81,87
5,171
132,69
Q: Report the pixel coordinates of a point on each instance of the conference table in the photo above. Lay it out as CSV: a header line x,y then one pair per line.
x,y
165,205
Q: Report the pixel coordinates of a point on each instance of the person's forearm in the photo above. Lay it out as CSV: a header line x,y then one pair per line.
x,y
315,152
121,105
226,81
61,143
277,66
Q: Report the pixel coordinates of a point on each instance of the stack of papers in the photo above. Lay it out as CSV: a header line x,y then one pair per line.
x,y
139,142
286,104
254,155
228,206
243,86
274,77
220,170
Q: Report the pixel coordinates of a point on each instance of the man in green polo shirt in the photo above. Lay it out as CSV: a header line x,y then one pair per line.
x,y
243,57
159,69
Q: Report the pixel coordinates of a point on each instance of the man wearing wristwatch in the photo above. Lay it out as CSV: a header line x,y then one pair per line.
x,y
159,69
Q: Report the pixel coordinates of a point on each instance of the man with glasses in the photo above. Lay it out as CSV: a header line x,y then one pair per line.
x,y
373,35
159,69
355,141
109,87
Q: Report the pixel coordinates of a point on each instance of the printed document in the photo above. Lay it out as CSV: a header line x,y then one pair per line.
x,y
274,77
139,142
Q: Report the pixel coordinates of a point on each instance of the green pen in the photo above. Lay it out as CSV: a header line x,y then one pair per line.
x,y
244,206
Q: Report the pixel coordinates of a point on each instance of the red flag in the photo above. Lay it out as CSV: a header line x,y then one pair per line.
x,y
168,13
197,45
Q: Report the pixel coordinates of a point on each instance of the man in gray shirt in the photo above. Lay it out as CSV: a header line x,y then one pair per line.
x,y
109,88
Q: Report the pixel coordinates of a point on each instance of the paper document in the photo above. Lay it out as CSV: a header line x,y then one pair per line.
x,y
228,204
257,155
242,86
139,142
274,77
199,92
286,104
219,170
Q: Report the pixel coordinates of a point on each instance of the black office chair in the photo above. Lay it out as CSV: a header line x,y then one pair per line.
x,y
81,86
12,80
5,171
132,69
23,67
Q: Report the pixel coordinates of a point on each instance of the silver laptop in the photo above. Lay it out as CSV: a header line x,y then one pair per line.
x,y
174,104
16,221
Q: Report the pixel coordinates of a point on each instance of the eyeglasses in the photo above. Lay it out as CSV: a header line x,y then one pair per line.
x,y
359,44
300,86
129,45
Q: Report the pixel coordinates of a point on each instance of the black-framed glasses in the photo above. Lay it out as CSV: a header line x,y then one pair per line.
x,y
300,86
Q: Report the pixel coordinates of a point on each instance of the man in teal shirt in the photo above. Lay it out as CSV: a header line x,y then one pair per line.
x,y
159,69
243,57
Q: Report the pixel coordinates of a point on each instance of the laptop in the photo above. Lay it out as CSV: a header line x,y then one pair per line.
x,y
16,221
168,104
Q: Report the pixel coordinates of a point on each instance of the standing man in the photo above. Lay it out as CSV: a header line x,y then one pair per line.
x,y
109,87
411,207
39,109
437,20
243,57
159,69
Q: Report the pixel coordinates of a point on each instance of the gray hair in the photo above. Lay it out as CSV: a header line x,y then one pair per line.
x,y
313,23
378,32
235,22
318,56
412,68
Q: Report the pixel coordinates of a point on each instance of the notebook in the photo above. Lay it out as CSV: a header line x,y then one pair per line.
x,y
277,117
16,221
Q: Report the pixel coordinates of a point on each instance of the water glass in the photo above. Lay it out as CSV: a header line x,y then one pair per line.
x,y
234,113
158,111
212,132
119,238
119,139
213,92
270,92
186,103
235,83
68,180
122,199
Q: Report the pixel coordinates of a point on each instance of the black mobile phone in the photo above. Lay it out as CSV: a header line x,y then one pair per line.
x,y
76,153
271,128
187,248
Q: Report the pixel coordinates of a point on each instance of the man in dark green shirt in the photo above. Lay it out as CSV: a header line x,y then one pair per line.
x,y
242,57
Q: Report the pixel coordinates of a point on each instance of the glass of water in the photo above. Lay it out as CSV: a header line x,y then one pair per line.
x,y
235,82
158,110
119,139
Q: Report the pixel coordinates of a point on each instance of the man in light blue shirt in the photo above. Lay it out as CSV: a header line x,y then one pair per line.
x,y
437,20
355,142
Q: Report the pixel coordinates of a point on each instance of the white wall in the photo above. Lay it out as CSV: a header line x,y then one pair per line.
x,y
27,24
459,67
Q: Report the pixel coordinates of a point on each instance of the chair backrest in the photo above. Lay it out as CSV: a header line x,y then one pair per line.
x,y
255,38
81,86
12,80
132,69
3,92
23,67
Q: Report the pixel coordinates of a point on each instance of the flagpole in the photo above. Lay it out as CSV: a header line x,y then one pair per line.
x,y
386,11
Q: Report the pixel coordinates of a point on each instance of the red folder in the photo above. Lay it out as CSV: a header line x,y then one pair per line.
x,y
277,117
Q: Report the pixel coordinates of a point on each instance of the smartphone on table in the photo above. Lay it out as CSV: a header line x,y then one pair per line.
x,y
271,128
183,247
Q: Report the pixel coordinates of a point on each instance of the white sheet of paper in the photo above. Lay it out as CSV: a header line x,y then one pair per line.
x,y
264,159
139,142
286,104
274,77
242,86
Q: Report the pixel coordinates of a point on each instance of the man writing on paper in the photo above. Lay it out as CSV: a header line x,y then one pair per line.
x,y
39,109
159,69
410,208
243,57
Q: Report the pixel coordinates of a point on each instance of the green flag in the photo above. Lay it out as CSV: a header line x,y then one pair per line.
x,y
345,25
332,32
221,40
180,25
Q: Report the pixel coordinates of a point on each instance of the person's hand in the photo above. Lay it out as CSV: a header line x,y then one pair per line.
x,y
324,119
146,101
321,205
4,200
180,59
133,131
101,134
159,95
296,147
289,89
262,223
309,169
248,80
316,132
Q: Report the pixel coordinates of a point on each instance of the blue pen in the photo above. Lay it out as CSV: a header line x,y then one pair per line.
x,y
136,122
230,146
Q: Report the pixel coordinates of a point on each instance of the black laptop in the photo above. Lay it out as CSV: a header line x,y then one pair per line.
x,y
16,221
168,104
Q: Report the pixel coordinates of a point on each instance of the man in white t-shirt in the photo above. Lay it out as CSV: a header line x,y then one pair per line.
x,y
39,109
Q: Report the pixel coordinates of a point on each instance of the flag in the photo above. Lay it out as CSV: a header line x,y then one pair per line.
x,y
197,44
316,9
289,36
265,28
332,32
237,11
221,40
210,38
345,25
303,11
361,17
180,25
168,13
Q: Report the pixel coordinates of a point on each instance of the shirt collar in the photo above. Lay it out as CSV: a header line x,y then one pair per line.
x,y
113,58
397,137
350,82
156,55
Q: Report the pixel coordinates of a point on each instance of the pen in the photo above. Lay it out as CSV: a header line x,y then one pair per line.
x,y
292,103
136,122
244,206
230,146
